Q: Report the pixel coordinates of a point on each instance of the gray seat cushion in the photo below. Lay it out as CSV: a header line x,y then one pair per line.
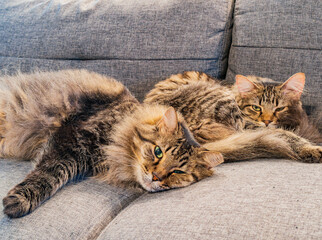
x,y
267,199
277,39
138,42
78,211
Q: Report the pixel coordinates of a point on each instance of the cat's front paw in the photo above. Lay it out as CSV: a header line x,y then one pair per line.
x,y
16,205
311,154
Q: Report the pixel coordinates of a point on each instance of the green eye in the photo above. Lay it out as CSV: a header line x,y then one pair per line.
x,y
256,108
279,109
178,172
158,152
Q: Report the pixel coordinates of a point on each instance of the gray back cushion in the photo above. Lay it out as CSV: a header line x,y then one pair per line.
x,y
277,39
137,42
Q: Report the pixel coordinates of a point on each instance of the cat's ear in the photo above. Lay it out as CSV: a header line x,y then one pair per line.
x,y
294,85
244,85
212,159
169,121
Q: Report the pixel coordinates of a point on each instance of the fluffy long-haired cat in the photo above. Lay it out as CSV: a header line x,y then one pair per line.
x,y
218,115
74,124
267,103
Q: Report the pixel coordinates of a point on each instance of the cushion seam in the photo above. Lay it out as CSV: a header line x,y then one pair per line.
x,y
96,230
113,59
273,47
123,209
226,41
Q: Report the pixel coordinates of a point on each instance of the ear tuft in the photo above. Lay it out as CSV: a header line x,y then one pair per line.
x,y
244,85
169,120
294,85
213,159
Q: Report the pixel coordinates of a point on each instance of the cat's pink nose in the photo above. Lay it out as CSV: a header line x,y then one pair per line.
x,y
267,122
155,177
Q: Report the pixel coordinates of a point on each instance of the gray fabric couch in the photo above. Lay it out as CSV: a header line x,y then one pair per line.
x,y
141,43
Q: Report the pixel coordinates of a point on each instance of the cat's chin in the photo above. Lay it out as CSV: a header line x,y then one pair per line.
x,y
146,182
272,126
154,187
262,125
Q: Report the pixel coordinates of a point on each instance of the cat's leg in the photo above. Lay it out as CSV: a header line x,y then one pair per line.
x,y
1,147
2,133
266,143
44,181
306,151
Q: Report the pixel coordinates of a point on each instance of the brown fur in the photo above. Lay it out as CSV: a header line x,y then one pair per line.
x,y
74,124
278,107
210,108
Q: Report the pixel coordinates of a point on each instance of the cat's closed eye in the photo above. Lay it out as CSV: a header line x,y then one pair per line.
x,y
279,109
178,172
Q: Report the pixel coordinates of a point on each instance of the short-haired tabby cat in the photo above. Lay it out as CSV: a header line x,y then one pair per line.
x,y
75,124
218,115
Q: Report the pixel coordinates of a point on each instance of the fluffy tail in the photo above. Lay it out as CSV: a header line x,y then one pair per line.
x,y
308,129
252,144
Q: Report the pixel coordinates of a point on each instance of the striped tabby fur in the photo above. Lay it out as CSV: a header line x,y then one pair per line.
x,y
267,103
75,124
218,122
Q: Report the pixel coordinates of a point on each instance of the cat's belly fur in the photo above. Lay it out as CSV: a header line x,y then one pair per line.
x,y
38,109
82,139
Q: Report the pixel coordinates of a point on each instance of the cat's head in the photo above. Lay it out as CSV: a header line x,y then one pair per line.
x,y
267,103
164,153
